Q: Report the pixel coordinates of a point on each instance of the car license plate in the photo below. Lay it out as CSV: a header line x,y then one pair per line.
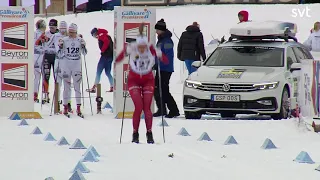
x,y
225,98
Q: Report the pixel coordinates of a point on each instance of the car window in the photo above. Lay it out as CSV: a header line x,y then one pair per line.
x,y
300,54
306,52
246,56
291,58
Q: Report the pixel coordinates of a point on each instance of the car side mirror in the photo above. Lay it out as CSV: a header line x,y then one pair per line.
x,y
295,67
196,64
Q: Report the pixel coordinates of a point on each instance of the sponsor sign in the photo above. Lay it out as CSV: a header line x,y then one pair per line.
x,y
14,81
19,13
231,73
126,29
136,14
131,31
14,40
16,59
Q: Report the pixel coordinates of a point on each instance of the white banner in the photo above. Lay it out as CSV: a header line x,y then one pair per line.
x,y
126,29
16,59
309,98
48,3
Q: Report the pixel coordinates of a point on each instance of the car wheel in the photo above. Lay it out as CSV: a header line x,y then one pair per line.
x,y
227,115
284,108
192,115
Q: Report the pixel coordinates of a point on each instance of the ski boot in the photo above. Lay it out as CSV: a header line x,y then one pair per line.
x,y
110,90
79,113
65,111
135,137
45,98
92,90
149,137
35,97
69,108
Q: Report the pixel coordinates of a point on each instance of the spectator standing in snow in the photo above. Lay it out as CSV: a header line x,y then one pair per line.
x,y
165,43
243,16
316,27
106,58
313,42
191,46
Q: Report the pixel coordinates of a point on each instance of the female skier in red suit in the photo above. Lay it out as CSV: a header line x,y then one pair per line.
x,y
142,57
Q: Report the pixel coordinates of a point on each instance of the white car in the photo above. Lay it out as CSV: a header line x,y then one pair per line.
x,y
249,74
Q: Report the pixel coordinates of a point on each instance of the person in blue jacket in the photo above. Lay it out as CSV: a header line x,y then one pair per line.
x,y
166,44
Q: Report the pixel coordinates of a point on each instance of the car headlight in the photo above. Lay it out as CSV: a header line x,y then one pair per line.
x,y
192,84
262,86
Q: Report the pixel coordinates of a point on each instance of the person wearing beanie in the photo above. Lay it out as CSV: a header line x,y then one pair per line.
x,y
70,49
166,45
39,40
141,80
106,57
243,16
49,58
63,32
191,46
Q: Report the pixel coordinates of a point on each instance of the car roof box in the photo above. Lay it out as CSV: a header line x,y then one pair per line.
x,y
264,30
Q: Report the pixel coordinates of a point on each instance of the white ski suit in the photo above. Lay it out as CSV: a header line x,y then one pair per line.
x,y
70,63
313,42
57,65
38,59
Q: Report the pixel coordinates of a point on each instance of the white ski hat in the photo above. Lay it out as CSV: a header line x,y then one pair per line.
x,y
142,40
73,27
63,25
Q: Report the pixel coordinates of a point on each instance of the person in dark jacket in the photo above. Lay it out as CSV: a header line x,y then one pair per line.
x,y
191,47
165,43
243,16
106,58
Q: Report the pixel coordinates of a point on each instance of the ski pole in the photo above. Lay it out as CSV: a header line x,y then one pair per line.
x,y
85,64
161,100
82,86
124,104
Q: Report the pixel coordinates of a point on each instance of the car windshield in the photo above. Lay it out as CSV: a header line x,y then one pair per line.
x,y
246,56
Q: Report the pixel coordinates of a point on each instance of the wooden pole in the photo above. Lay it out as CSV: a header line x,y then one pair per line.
x,y
99,99
56,98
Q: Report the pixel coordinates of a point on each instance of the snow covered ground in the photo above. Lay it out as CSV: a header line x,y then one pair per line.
x,y
28,156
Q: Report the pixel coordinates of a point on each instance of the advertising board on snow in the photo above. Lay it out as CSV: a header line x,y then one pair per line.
x,y
16,60
126,29
309,85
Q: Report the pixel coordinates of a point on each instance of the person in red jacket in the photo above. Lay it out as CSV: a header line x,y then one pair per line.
x,y
106,59
243,16
142,57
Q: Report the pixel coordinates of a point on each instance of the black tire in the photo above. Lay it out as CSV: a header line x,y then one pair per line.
x,y
227,115
284,108
192,115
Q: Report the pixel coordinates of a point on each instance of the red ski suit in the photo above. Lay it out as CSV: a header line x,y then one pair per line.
x,y
141,81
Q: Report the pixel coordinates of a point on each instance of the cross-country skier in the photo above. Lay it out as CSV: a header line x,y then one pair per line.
x,y
39,39
49,57
106,58
63,32
141,80
70,51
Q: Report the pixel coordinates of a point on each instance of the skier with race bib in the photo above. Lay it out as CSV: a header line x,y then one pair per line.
x,y
39,40
49,58
63,32
142,56
70,50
